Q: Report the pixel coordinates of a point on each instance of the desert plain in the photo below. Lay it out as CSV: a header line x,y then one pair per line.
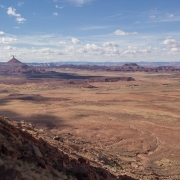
x,y
126,127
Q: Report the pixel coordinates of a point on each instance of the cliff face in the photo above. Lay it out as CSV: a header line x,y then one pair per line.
x,y
25,155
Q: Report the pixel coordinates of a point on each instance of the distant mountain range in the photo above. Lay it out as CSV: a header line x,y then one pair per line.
x,y
14,66
142,63
130,67
52,64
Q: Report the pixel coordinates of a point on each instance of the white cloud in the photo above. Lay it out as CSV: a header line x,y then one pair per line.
x,y
94,48
68,51
172,44
175,50
112,52
61,48
70,48
94,28
20,19
122,33
20,3
91,50
110,44
9,48
88,50
77,2
82,51
16,27
159,16
169,37
134,33
7,40
12,12
46,51
170,15
2,6
60,53
152,17
22,55
1,32
80,2
75,41
62,42
55,14
34,51
59,7
136,51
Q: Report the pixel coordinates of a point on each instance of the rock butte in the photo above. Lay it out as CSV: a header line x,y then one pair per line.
x,y
14,61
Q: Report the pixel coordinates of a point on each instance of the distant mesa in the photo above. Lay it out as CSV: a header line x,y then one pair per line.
x,y
131,64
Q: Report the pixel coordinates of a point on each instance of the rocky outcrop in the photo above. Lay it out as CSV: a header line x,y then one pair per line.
x,y
14,66
9,173
16,62
8,150
24,155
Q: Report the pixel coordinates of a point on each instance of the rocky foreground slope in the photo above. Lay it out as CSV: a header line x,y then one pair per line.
x,y
24,155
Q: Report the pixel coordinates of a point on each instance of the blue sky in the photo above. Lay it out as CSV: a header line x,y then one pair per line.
x,y
90,30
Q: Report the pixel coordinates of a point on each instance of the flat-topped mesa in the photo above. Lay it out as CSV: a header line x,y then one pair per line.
x,y
130,64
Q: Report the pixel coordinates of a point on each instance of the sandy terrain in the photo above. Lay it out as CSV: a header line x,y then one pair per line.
x,y
127,127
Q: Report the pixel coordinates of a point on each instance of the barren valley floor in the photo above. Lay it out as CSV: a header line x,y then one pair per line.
x,y
130,127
